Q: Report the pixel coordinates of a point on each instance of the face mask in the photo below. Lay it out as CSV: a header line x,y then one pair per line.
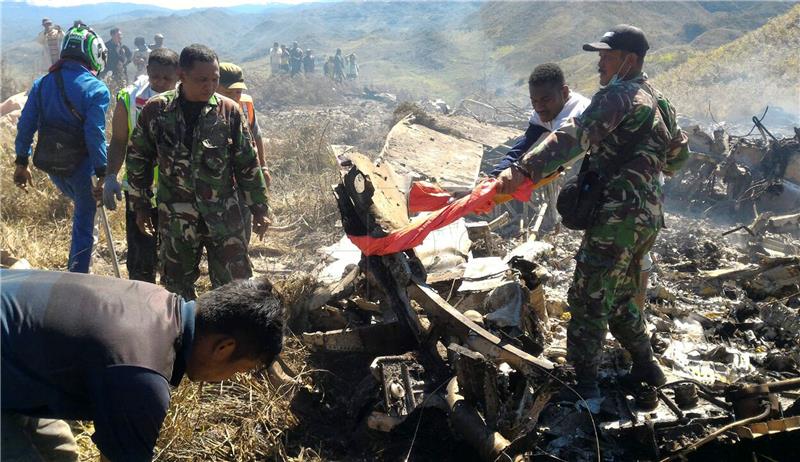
x,y
616,78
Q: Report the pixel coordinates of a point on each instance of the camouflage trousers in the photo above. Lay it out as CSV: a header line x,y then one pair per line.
x,y
606,281
184,234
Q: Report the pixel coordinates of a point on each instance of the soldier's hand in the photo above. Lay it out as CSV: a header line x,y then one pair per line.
x,y
260,225
267,176
111,190
510,180
22,177
145,223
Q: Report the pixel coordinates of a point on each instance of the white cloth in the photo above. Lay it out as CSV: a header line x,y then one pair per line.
x,y
139,92
574,107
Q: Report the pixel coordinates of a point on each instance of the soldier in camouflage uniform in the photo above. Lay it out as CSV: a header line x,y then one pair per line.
x,y
626,224
201,143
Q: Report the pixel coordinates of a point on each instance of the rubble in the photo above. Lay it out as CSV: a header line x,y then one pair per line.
x,y
470,326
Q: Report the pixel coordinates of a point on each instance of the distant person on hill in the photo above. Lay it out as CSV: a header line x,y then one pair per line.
x,y
109,351
231,85
338,66
308,62
117,59
158,42
51,39
284,59
352,67
202,146
140,56
162,75
327,68
275,58
67,107
296,59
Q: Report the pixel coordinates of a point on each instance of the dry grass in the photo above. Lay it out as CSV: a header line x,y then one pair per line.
x,y
281,91
244,418
241,419
37,225
303,170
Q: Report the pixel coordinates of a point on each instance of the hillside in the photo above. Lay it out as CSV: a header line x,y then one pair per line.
x,y
762,68
443,49
19,19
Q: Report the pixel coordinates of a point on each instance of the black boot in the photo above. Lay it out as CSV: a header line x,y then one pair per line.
x,y
586,385
648,372
645,368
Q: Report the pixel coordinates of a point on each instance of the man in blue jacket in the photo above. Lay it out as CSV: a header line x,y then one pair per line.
x,y
82,56
86,347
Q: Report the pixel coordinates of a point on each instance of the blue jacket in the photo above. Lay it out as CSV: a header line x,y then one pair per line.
x,y
520,148
87,93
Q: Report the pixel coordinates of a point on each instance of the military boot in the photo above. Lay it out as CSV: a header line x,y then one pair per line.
x,y
586,385
645,368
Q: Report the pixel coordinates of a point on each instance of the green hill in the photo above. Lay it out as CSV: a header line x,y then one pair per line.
x,y
446,49
761,68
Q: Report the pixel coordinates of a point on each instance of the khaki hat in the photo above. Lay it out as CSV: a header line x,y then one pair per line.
x,y
230,76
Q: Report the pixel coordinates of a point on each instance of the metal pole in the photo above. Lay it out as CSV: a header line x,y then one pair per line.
x,y
109,238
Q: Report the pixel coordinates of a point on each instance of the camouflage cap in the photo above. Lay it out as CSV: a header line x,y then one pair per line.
x,y
231,76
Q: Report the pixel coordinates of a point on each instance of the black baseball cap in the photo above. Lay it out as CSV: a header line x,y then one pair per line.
x,y
622,37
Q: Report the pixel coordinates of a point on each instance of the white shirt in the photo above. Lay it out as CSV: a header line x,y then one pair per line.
x,y
574,107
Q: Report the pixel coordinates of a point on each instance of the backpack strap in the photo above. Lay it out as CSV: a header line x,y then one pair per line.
x,y
628,151
60,84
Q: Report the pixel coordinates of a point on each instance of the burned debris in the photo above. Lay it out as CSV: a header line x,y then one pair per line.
x,y
470,326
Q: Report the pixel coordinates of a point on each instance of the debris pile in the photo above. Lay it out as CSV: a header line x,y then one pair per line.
x,y
470,327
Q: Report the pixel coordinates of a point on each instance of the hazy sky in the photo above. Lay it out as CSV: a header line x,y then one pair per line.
x,y
174,4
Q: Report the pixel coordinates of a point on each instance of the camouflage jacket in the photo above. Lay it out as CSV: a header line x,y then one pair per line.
x,y
612,119
221,160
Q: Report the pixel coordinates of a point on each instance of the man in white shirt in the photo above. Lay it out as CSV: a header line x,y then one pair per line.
x,y
553,104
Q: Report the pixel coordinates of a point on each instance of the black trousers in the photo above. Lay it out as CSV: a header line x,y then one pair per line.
x,y
142,249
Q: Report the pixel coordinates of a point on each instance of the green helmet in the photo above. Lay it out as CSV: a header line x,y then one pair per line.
x,y
84,44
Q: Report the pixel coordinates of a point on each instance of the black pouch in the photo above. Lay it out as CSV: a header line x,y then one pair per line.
x,y
579,198
59,150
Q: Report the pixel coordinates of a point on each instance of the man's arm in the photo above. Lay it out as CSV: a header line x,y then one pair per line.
x,y
94,127
130,405
110,191
27,124
606,111
246,168
678,147
141,157
248,174
530,137
261,152
119,138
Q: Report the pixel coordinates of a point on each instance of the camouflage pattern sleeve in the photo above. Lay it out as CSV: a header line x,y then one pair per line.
x,y
249,178
678,146
607,110
141,158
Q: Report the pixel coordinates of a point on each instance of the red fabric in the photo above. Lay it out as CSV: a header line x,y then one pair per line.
x,y
481,200
426,197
